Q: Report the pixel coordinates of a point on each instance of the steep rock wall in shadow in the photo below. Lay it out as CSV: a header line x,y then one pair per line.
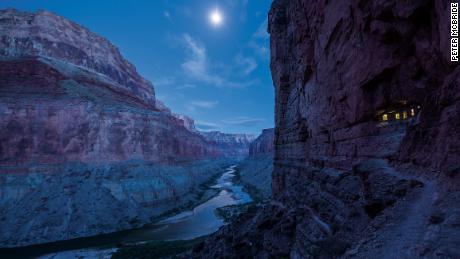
x,y
263,144
366,135
337,66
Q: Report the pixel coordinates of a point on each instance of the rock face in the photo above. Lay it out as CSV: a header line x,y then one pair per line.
x,y
355,60
366,138
232,145
188,122
263,144
255,171
255,175
76,120
58,202
67,94
44,34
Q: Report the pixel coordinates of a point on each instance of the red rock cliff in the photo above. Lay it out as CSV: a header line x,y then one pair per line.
x,y
67,94
47,35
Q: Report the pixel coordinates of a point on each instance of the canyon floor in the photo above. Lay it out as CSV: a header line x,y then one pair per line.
x,y
216,193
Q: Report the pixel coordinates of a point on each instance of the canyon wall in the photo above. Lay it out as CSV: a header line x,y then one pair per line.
x,y
67,94
45,203
366,139
256,169
337,66
85,148
47,35
263,144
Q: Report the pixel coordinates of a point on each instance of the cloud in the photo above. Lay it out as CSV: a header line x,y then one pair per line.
x,y
193,105
163,81
248,64
259,41
260,49
262,32
179,9
206,126
197,66
186,86
167,15
243,121
204,104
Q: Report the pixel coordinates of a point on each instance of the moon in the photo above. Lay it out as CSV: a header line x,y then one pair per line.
x,y
216,18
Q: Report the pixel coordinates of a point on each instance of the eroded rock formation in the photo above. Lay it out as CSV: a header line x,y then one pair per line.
x,y
45,203
44,34
347,182
263,144
67,94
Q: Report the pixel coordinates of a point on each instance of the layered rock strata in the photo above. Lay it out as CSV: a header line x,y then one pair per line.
x,y
45,203
67,94
85,148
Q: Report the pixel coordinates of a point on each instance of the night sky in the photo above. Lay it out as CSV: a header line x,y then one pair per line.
x,y
217,74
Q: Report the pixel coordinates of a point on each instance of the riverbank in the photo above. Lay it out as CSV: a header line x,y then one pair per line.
x,y
158,249
182,225
210,171
255,175
245,174
203,220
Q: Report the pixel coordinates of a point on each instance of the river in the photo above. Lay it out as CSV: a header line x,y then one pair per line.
x,y
200,221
